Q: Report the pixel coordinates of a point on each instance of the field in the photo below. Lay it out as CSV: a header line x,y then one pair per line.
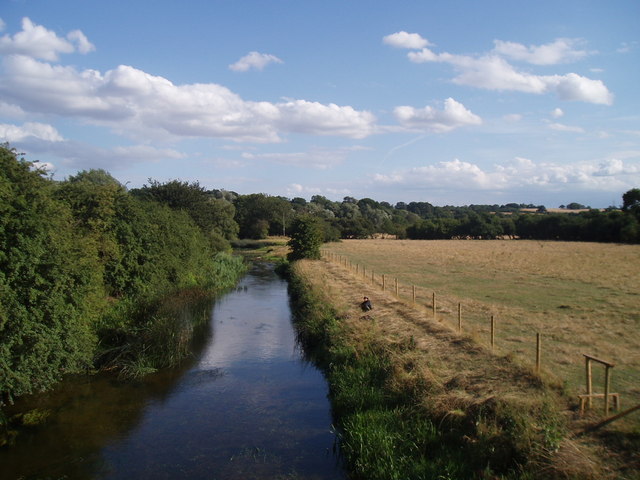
x,y
583,298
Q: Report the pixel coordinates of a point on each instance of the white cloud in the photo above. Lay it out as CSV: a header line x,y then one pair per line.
x,y
254,60
492,72
9,110
444,175
38,42
73,154
317,158
626,47
560,51
14,133
141,105
565,128
296,190
454,115
405,40
611,167
2,25
575,87
82,43
515,176
557,113
315,118
513,117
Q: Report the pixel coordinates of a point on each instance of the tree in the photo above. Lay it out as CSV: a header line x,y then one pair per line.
x,y
259,215
575,206
49,290
631,199
214,216
306,238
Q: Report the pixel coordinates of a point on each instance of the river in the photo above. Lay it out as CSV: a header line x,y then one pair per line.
x,y
247,405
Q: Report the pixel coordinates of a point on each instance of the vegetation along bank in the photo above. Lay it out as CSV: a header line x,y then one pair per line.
x,y
95,276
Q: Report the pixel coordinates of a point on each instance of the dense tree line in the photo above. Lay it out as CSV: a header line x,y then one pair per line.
x,y
85,264
260,215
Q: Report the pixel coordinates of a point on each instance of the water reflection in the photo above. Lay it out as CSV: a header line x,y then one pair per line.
x,y
247,407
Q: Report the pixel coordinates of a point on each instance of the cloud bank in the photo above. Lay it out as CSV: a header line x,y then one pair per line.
x,y
519,174
493,72
148,107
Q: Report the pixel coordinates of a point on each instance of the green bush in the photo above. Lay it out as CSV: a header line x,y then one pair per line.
x,y
307,234
50,290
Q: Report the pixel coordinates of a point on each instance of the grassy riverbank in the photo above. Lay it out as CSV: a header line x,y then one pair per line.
x,y
412,399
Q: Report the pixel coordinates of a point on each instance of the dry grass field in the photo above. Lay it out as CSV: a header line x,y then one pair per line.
x,y
583,298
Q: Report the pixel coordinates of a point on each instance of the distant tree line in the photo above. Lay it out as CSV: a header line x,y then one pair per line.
x,y
260,215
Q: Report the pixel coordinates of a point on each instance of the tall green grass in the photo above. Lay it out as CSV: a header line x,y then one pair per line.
x,y
140,335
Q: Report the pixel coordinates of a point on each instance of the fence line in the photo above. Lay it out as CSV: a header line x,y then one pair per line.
x,y
492,325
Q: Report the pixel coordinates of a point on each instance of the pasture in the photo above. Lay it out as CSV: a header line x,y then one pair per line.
x,y
583,298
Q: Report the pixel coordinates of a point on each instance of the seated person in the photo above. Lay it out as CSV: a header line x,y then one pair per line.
x,y
366,304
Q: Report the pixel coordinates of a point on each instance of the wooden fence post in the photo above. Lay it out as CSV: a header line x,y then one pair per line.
x,y
396,286
588,366
538,352
433,302
459,317
493,332
414,294
383,282
607,382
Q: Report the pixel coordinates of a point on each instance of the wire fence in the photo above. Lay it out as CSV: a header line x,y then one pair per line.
x,y
485,327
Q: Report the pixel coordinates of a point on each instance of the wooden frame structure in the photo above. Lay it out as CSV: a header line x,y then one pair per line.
x,y
585,400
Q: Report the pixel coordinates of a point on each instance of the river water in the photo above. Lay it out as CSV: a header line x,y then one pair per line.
x,y
246,406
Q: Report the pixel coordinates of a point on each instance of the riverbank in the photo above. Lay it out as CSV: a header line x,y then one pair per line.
x,y
414,400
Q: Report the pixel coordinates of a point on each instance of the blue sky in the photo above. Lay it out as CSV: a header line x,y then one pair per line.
x,y
452,102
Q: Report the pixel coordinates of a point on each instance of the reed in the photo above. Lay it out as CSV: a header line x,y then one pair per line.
x,y
141,335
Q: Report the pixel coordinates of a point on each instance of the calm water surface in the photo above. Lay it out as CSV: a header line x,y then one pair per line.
x,y
247,406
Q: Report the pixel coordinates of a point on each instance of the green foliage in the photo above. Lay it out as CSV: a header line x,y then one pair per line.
x,y
306,238
214,216
141,335
259,215
364,218
591,226
84,266
49,287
